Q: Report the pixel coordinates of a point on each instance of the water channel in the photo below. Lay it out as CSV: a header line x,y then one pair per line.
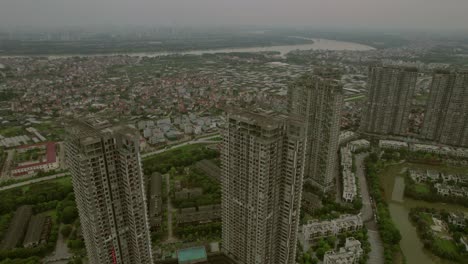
x,y
393,184
318,44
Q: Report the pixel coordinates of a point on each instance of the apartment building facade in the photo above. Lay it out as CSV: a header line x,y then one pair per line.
x,y
107,178
263,157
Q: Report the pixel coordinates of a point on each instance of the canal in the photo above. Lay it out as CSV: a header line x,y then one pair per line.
x,y
392,180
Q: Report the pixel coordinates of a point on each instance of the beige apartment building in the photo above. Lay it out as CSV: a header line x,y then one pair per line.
x,y
263,156
318,98
105,165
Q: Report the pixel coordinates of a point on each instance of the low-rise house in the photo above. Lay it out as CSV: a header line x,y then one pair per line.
x,y
349,186
203,214
417,175
351,253
432,176
451,190
346,136
49,162
346,157
155,200
458,219
17,228
38,231
188,193
357,145
425,176
393,144
442,189
314,229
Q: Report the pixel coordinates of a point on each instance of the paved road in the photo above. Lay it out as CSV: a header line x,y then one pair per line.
x,y
7,164
61,253
367,211
20,184
207,140
61,152
376,255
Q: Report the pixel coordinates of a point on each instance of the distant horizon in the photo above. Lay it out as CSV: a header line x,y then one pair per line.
x,y
400,15
107,28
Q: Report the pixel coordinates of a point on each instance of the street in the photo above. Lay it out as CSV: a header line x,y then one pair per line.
x,y
206,140
376,255
47,178
195,141
6,166
61,254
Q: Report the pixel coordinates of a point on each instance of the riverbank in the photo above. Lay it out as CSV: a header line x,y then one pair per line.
x,y
317,44
412,247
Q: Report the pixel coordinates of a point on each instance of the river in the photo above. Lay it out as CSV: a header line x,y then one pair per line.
x,y
319,44
412,247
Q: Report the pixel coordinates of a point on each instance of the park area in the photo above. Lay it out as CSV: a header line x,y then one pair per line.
x,y
40,221
191,210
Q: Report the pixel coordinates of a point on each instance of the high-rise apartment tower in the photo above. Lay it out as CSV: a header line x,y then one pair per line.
x,y
109,189
318,98
262,172
446,117
391,90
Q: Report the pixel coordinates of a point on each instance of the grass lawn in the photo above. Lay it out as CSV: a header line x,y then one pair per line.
x,y
427,218
66,181
53,214
446,245
422,188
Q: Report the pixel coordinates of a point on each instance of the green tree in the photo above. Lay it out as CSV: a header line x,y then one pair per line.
x,y
69,214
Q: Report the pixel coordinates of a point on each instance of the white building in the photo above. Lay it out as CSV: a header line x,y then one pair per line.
x,y
351,253
357,145
392,144
315,229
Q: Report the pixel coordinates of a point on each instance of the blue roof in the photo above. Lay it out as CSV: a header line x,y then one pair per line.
x,y
191,254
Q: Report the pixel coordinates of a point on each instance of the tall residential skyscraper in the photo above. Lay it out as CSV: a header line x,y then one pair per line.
x,y
391,90
446,118
318,99
262,172
109,188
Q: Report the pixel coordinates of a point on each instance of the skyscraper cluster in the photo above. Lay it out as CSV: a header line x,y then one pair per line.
x,y
109,190
265,158
446,116
391,90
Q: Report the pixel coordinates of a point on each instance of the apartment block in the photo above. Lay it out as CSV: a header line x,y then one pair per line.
x,y
391,90
318,98
262,173
108,182
446,117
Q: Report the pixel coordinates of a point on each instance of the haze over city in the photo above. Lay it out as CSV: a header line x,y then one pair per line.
x,y
233,132
357,14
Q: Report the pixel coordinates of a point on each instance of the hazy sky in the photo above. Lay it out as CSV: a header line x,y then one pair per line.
x,y
414,14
